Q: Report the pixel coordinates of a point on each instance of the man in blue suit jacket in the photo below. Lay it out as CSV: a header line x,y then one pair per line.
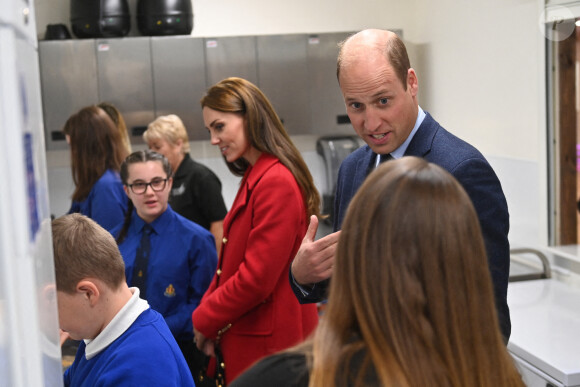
x,y
380,92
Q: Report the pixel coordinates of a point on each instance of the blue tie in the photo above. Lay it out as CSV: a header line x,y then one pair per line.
x,y
142,261
384,158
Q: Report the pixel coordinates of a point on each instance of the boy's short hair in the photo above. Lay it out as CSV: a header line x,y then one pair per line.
x,y
83,249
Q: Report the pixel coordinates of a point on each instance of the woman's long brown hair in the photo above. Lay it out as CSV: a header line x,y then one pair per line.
x,y
411,288
96,146
264,131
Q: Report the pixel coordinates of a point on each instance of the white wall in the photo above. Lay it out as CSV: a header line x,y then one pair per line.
x,y
483,71
480,67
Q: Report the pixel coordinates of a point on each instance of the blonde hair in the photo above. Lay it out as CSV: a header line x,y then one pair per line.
x,y
411,292
169,128
83,249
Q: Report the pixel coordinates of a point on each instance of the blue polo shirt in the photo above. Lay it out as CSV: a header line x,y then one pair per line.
x,y
182,262
106,203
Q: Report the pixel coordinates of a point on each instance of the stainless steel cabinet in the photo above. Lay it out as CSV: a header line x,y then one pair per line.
x,y
150,76
283,77
233,56
68,74
327,106
179,80
126,80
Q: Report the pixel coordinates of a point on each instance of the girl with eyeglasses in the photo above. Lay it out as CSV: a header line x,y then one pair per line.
x,y
168,257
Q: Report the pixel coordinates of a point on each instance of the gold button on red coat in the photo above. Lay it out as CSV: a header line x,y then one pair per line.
x,y
219,272
225,240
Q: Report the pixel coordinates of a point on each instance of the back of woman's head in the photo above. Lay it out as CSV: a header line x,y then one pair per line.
x,y
263,129
96,146
169,128
412,286
119,122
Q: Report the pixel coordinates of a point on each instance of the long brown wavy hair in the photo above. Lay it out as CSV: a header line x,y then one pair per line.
x,y
264,131
411,289
96,146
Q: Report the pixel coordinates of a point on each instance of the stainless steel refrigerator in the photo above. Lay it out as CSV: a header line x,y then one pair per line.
x,y
29,339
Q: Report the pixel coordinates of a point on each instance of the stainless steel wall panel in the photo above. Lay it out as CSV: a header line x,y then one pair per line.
x,y
179,80
231,57
69,82
145,77
327,104
125,79
283,77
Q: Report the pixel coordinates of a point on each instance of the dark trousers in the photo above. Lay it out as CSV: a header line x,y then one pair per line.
x,y
197,362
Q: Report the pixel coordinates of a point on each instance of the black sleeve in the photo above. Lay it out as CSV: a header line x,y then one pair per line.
x,y
280,370
207,190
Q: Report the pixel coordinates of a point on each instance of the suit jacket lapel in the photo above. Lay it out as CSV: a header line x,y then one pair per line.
x,y
363,168
421,143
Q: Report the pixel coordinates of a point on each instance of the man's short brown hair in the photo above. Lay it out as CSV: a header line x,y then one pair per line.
x,y
389,45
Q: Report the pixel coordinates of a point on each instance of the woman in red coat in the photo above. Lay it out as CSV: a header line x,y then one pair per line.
x,y
249,310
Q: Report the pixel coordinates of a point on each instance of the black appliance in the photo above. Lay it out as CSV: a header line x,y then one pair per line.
x,y
56,32
100,18
164,17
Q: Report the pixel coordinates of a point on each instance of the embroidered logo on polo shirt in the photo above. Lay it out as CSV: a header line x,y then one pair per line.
x,y
178,191
169,291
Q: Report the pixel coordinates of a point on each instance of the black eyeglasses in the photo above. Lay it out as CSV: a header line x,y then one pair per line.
x,y
140,187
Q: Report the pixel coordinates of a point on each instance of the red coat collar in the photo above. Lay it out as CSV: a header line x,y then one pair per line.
x,y
256,171
251,178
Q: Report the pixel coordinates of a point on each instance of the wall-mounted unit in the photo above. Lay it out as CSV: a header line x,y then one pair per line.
x,y
68,74
233,56
125,79
283,77
328,114
179,80
145,77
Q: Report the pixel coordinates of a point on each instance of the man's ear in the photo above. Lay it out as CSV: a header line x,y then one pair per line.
x,y
90,291
412,82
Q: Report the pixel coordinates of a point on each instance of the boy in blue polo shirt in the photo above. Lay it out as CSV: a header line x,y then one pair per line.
x,y
124,341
